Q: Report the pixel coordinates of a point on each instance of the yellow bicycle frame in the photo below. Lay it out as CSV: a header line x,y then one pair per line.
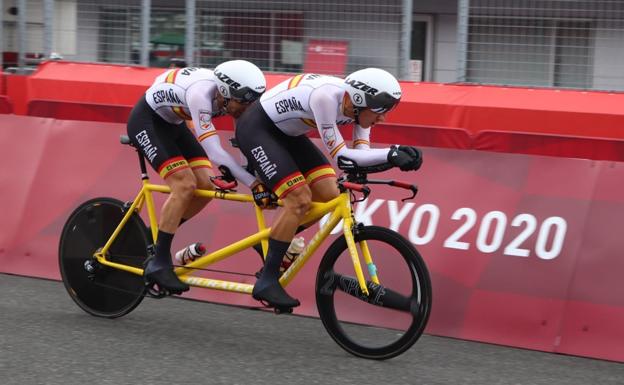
x,y
340,209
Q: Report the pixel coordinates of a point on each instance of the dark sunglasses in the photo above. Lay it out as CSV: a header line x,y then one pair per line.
x,y
381,103
244,95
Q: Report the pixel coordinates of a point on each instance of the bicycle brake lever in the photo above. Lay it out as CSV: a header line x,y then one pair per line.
x,y
365,193
222,184
414,191
347,185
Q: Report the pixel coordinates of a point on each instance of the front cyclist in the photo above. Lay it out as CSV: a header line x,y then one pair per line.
x,y
271,134
178,153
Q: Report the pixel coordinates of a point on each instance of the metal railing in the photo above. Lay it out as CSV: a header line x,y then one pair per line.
x,y
546,43
278,35
542,43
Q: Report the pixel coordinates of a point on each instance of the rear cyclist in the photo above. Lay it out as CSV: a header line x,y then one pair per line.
x,y
271,134
178,153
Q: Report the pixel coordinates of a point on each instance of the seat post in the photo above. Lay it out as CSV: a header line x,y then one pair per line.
x,y
144,175
124,139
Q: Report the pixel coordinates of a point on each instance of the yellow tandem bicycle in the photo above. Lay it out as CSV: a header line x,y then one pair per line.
x,y
105,242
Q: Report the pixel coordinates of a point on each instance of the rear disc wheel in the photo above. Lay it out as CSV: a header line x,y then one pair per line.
x,y
100,290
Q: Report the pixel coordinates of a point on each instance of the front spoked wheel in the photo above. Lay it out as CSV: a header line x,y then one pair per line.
x,y
393,316
101,290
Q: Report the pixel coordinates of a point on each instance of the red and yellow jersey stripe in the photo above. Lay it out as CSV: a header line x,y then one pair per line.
x,y
171,77
206,135
319,173
309,122
172,165
199,163
361,141
333,152
294,82
289,183
180,112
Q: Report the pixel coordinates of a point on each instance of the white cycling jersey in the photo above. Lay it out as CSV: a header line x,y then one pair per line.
x,y
190,94
316,102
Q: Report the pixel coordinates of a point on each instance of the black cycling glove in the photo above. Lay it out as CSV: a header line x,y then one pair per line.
x,y
406,158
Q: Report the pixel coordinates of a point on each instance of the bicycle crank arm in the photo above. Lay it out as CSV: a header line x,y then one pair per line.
x,y
379,294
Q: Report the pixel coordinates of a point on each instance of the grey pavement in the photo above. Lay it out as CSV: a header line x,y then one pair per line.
x,y
46,339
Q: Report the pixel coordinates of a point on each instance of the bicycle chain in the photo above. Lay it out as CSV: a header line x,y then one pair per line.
x,y
145,291
146,294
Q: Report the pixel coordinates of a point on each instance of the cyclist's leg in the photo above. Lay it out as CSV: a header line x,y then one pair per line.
x,y
296,205
319,174
325,190
262,143
160,270
267,287
201,167
202,175
155,138
182,183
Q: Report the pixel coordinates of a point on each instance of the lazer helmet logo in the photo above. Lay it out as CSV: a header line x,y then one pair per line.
x,y
361,86
227,80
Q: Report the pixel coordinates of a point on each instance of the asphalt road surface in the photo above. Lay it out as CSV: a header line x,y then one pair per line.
x,y
46,339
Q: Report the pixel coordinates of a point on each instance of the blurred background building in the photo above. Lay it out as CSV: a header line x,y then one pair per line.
x,y
543,43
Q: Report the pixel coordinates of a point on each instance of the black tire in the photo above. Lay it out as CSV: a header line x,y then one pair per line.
x,y
104,292
349,316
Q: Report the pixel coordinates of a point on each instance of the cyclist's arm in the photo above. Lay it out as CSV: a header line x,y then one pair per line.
x,y
324,108
201,112
361,137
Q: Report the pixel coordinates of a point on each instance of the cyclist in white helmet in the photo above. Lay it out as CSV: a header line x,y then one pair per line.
x,y
271,134
179,153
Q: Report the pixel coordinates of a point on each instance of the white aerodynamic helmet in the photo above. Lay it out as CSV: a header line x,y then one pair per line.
x,y
373,88
240,80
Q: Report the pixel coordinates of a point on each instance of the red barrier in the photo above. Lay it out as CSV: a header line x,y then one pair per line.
x,y
17,90
2,83
481,108
523,250
6,107
96,83
64,110
91,82
420,135
548,144
592,115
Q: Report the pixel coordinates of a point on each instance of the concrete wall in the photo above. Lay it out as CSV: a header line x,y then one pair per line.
x,y
444,50
64,25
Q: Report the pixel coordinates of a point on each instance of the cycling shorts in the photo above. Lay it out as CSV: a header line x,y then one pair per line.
x,y
167,147
282,162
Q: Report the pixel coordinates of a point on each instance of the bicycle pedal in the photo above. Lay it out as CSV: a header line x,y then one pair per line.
x,y
276,309
154,291
283,310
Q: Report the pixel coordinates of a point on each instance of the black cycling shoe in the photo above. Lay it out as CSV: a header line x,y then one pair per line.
x,y
275,296
166,279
